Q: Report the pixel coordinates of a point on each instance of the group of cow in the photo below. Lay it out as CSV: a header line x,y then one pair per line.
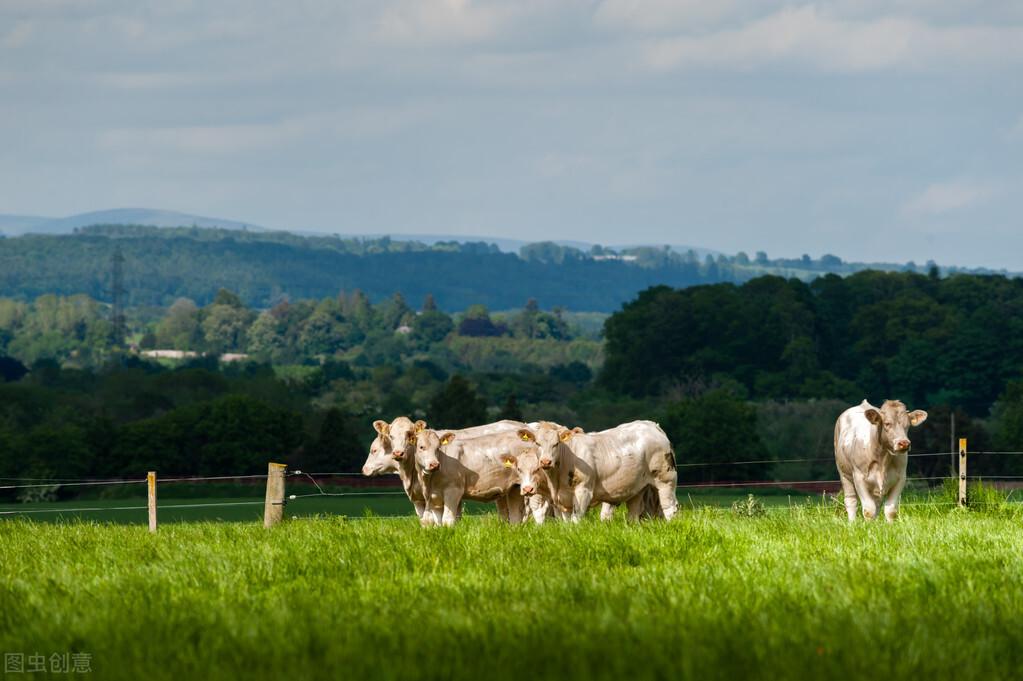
x,y
535,470
544,470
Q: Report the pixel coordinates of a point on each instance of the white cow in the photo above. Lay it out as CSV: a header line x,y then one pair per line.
x,y
611,467
455,468
871,452
392,452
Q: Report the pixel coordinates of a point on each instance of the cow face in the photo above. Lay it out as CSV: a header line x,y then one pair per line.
x,y
379,461
527,466
549,438
892,421
428,445
401,437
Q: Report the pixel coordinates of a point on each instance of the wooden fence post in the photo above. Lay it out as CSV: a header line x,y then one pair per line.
x,y
273,509
151,482
962,472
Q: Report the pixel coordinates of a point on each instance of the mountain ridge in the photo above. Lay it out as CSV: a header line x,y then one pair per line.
x,y
18,225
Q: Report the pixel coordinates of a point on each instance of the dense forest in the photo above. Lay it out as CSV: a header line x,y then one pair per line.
x,y
924,339
752,371
263,268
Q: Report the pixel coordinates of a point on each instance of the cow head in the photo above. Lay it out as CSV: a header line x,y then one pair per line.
x,y
892,421
526,462
379,460
399,436
549,438
428,445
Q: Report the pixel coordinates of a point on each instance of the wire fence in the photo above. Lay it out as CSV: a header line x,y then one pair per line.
x,y
801,486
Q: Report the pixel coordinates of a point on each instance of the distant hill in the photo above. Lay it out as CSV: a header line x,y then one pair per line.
x,y
263,267
506,245
25,224
14,225
20,224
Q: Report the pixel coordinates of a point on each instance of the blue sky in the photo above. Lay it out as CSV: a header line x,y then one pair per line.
x,y
873,130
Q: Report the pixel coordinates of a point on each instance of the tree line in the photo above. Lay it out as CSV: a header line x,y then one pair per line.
x,y
923,339
732,372
78,330
263,268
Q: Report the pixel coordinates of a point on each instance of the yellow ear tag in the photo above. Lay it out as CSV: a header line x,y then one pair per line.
x,y
507,463
526,437
445,441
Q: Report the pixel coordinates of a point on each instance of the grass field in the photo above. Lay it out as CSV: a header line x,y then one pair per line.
x,y
797,593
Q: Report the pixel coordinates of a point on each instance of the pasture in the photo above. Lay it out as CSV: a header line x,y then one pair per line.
x,y
795,593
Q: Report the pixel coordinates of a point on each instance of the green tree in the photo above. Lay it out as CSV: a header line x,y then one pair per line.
x,y
457,405
431,326
335,447
394,313
510,410
715,427
224,326
179,329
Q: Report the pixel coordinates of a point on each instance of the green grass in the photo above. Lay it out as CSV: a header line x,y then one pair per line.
x,y
797,593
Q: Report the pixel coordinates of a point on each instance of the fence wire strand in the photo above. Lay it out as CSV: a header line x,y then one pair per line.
x,y
163,507
76,484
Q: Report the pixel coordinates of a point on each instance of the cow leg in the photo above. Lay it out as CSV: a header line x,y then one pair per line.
x,y
581,502
607,512
849,491
867,500
636,505
540,508
502,507
891,502
452,506
516,506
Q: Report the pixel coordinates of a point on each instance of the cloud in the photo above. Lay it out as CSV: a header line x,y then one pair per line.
x,y
659,16
354,123
806,38
449,21
18,36
221,139
945,197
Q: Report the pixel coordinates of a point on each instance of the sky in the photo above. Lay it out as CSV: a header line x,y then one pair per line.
x,y
875,131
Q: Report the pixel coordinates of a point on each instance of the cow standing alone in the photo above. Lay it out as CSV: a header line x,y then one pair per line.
x,y
871,452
